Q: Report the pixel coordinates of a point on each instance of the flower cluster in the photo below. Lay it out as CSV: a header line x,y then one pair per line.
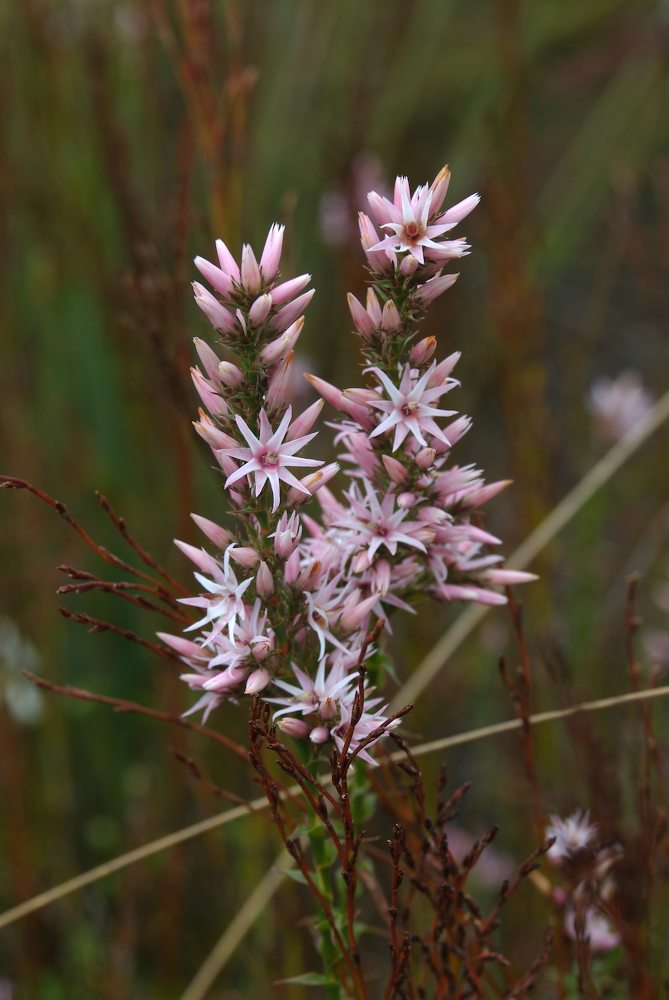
x,y
587,897
288,599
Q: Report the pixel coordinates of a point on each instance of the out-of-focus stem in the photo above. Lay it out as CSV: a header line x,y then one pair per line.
x,y
329,953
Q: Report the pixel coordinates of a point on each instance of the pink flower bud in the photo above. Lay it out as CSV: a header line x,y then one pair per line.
x,y
457,212
441,371
213,435
293,727
228,464
439,187
423,350
321,734
217,278
279,385
291,570
210,361
457,430
312,483
328,708
230,374
302,425
250,272
480,535
478,497
184,647
261,648
360,395
310,577
244,556
426,534
466,592
353,616
433,515
361,318
406,500
330,393
271,255
378,259
341,401
264,581
395,469
214,532
194,681
429,291
277,349
285,543
226,680
408,266
259,311
288,289
391,320
257,681
383,575
290,312
214,403
227,261
374,307
508,577
220,318
361,562
425,458
199,557
377,204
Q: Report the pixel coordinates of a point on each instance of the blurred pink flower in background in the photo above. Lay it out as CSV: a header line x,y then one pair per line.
x,y
617,404
336,219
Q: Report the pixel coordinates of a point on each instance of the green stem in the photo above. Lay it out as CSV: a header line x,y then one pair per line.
x,y
329,951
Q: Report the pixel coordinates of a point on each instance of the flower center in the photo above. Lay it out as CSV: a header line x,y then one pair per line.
x,y
410,407
413,231
270,458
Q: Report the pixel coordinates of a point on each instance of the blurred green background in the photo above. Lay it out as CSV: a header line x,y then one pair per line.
x,y
134,134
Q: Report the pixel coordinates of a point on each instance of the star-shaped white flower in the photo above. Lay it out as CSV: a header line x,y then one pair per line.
x,y
226,603
408,219
572,834
375,523
409,409
319,694
268,455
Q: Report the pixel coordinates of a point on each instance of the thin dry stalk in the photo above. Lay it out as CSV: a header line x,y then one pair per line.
x,y
232,815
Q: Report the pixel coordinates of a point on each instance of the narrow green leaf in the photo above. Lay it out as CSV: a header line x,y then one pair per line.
x,y
295,874
308,979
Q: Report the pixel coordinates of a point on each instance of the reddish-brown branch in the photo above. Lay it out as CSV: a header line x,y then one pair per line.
x,y
123,591
194,768
144,555
158,592
521,688
97,625
13,483
134,708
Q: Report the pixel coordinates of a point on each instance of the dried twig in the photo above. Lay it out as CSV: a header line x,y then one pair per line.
x,y
134,708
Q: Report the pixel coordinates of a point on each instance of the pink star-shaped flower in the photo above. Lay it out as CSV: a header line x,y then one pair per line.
x,y
409,409
268,456
376,523
408,221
